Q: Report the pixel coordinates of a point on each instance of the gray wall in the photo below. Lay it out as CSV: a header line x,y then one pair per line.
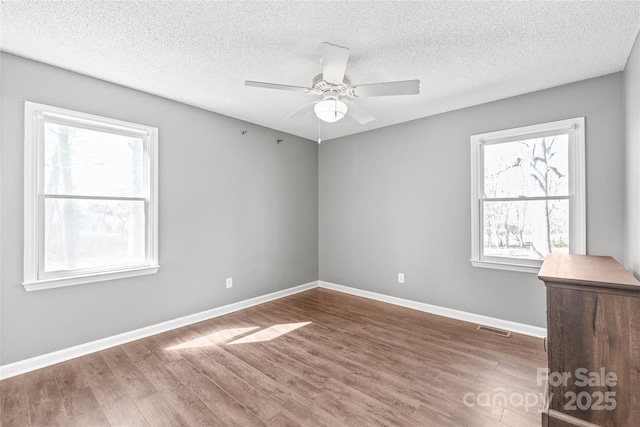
x,y
397,199
231,205
392,200
632,137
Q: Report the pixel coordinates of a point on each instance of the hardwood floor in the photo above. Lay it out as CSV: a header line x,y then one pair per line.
x,y
318,358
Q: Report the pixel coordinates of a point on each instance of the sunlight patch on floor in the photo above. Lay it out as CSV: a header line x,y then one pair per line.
x,y
227,334
269,333
224,335
215,338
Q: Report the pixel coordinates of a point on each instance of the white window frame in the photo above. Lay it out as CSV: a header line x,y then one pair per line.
x,y
35,117
577,183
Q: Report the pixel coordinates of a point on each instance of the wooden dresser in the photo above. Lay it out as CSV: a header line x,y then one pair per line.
x,y
593,322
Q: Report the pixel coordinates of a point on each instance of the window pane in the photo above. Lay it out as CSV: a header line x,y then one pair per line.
x,y
526,230
532,168
80,161
84,234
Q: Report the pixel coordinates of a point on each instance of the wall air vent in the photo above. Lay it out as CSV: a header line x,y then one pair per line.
x,y
494,331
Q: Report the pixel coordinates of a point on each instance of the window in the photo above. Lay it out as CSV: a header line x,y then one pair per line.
x,y
90,198
528,195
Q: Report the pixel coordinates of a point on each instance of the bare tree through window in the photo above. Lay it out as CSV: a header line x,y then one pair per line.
x,y
525,198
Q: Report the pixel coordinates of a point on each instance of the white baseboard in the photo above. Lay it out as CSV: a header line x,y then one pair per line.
x,y
42,361
519,328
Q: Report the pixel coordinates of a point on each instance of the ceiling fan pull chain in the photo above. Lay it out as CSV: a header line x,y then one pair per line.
x,y
319,139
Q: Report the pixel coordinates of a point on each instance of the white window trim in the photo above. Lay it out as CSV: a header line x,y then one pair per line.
x,y
33,146
577,191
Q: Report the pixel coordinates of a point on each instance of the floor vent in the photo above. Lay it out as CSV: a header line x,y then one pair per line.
x,y
494,331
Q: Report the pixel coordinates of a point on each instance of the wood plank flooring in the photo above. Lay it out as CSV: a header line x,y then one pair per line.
x,y
318,358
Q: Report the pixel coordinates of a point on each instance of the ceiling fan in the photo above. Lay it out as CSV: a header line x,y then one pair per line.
x,y
336,91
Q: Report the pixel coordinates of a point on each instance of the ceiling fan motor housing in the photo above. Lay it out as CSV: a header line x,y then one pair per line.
x,y
322,87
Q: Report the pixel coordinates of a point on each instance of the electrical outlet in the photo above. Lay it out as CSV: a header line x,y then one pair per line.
x,y
229,282
400,277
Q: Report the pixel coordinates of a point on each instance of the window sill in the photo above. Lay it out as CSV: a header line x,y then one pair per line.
x,y
523,268
59,282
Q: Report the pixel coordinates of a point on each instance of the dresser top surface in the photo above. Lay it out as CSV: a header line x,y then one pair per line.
x,y
587,270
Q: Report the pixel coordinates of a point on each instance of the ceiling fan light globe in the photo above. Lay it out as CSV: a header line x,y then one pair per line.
x,y
330,110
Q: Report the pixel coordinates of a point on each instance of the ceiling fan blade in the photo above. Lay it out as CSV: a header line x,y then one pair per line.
x,y
334,63
358,113
276,86
406,87
304,110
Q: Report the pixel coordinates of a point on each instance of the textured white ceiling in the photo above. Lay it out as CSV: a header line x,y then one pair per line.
x,y
200,52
